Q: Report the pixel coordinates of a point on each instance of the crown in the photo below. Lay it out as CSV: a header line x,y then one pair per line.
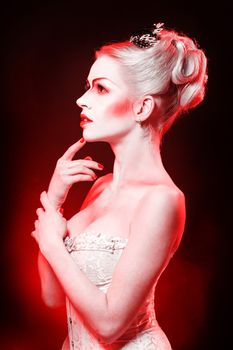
x,y
147,38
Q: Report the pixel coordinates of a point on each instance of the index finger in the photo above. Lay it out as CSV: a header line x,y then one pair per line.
x,y
69,154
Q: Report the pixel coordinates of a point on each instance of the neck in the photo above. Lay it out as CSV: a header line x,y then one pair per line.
x,y
137,161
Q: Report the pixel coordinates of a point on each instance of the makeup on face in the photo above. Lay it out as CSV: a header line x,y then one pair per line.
x,y
85,120
106,105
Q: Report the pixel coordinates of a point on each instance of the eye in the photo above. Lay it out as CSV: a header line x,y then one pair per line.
x,y
100,88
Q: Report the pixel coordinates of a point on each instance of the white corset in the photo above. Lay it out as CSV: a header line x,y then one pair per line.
x,y
97,255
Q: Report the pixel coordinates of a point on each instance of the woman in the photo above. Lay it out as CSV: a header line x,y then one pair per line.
x,y
106,260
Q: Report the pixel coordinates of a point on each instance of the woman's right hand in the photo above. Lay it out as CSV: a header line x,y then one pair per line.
x,y
69,171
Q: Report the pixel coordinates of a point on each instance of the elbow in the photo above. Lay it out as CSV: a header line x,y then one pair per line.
x,y
110,332
107,337
52,302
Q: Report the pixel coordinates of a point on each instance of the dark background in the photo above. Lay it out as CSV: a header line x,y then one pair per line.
x,y
47,50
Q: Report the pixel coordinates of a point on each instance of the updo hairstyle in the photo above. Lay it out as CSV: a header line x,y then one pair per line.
x,y
173,70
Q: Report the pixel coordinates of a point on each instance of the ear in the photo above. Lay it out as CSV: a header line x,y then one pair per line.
x,y
144,107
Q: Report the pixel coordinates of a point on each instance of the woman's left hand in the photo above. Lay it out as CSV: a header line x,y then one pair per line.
x,y
50,227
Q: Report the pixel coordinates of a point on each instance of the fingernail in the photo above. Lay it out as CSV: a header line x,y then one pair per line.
x,y
88,158
61,211
94,177
82,140
100,166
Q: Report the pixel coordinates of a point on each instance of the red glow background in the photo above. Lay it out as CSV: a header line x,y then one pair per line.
x,y
47,52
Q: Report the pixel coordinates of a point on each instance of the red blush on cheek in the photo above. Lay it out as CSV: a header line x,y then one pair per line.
x,y
121,108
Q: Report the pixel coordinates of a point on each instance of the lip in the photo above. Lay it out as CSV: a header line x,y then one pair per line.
x,y
82,124
85,120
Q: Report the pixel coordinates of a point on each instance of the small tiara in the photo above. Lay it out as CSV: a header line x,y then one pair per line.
x,y
147,37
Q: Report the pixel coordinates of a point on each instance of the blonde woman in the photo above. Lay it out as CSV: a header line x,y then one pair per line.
x,y
106,260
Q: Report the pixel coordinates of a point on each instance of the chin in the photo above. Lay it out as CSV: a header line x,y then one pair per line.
x,y
91,137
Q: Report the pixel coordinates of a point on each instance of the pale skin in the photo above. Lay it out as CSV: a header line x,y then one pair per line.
x,y
139,200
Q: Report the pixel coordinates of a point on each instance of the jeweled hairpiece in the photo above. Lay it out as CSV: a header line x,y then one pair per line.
x,y
147,37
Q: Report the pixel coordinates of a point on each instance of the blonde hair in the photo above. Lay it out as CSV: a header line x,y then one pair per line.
x,y
173,70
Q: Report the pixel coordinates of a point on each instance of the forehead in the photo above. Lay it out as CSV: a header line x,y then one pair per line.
x,y
106,67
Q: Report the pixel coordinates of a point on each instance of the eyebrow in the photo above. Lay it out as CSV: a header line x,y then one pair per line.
x,y
100,78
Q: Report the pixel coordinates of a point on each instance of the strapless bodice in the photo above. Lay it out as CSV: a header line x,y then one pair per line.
x,y
96,241
97,254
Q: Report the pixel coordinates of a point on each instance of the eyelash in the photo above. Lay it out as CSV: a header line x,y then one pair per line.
x,y
99,87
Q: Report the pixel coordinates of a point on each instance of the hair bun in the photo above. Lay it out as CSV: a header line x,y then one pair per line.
x,y
185,68
189,73
170,67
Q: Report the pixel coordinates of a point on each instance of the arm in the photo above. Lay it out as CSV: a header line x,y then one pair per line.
x,y
156,230
66,173
142,262
51,290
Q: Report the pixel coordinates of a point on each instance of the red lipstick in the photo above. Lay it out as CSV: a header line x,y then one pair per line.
x,y
85,120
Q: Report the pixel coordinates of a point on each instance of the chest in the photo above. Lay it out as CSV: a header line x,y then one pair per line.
x,y
108,214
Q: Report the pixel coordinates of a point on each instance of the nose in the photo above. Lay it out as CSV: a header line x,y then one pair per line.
x,y
81,101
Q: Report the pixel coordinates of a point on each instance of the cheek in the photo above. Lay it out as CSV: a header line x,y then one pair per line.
x,y
121,108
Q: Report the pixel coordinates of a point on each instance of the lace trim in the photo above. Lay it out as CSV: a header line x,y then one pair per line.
x,y
91,240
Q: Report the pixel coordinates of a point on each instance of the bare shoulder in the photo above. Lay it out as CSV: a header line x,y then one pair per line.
x,y
170,197
161,213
